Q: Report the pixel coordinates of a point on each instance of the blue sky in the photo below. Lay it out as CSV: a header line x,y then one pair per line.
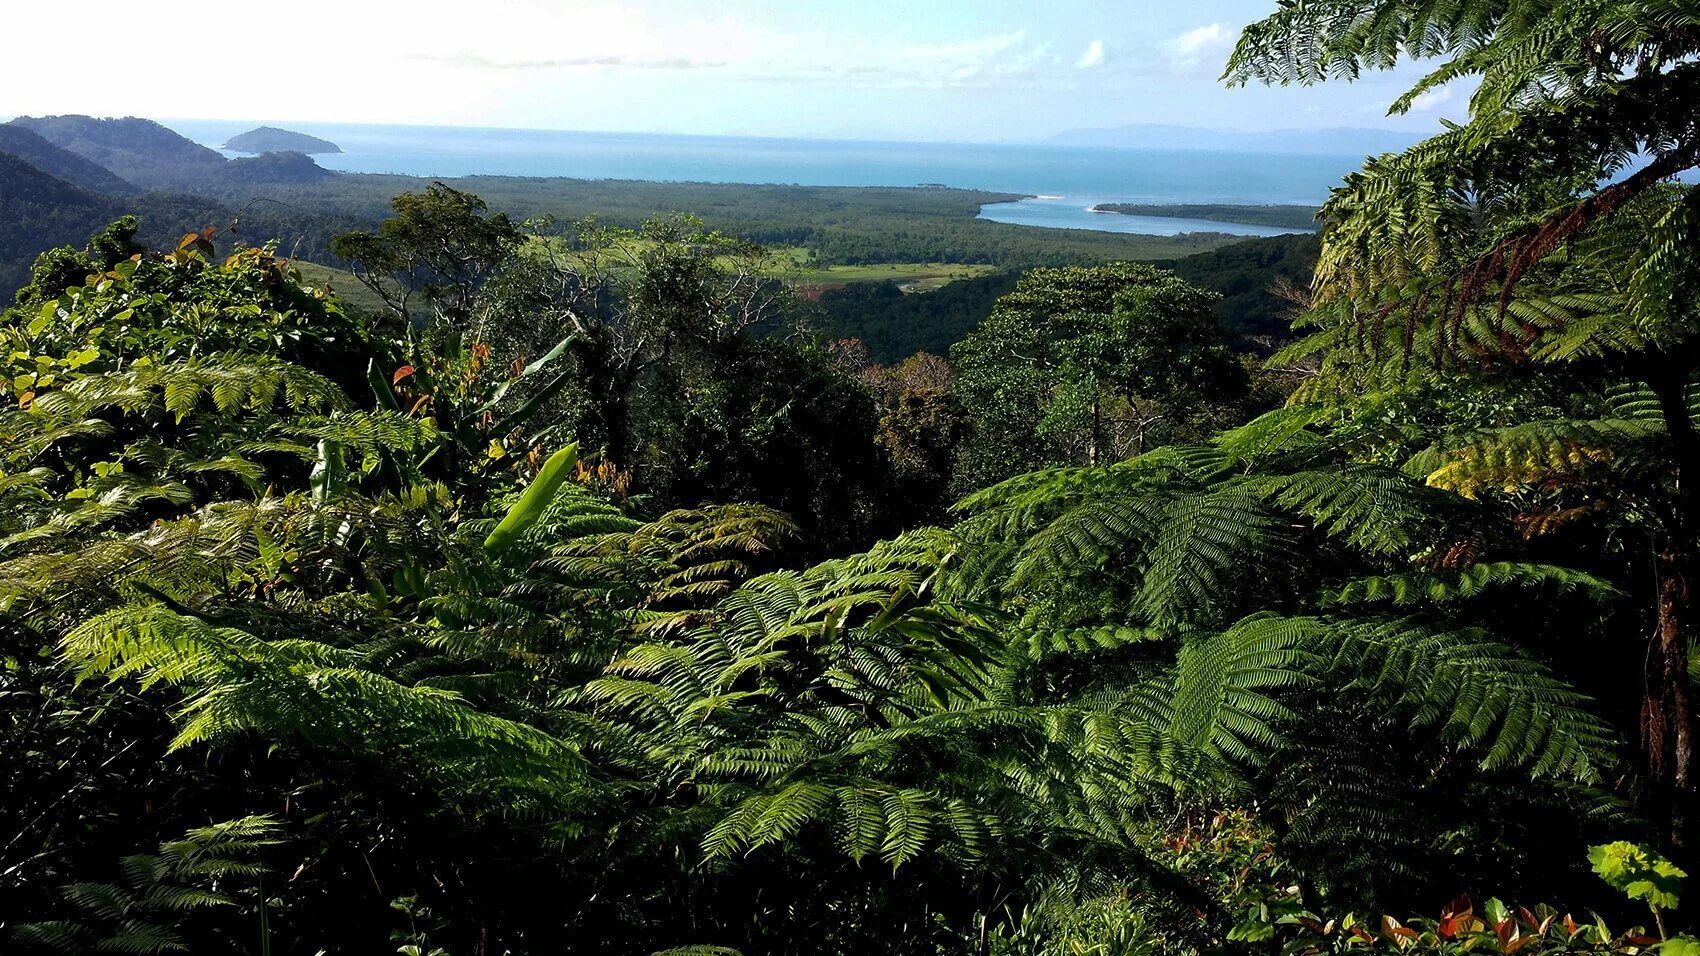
x,y
970,70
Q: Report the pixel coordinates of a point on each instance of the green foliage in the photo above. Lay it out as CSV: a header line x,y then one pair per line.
x,y
1639,872
439,247
1162,688
207,869
1102,356
1542,247
538,496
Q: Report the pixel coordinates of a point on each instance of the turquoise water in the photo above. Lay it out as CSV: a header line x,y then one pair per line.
x,y
1084,175
1075,212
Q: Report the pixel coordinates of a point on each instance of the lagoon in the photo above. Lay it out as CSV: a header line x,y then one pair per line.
x,y
1075,212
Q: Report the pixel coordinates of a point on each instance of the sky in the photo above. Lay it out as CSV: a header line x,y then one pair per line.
x,y
932,70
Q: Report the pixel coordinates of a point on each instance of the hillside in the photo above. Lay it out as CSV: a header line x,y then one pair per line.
x,y
22,182
272,168
58,162
270,139
138,150
894,325
1247,275
40,212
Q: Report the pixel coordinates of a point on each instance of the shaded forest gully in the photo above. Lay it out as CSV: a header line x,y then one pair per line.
x,y
507,566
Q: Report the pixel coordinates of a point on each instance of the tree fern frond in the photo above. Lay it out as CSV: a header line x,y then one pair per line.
x,y
1437,588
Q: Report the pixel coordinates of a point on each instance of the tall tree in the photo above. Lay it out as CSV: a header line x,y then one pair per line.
x,y
1081,366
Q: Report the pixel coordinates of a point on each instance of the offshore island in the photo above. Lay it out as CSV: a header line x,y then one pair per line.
x,y
270,139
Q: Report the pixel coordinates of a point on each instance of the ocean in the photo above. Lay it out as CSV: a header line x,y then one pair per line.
x,y
1070,180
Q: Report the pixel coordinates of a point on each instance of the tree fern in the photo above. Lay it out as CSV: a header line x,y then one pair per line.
x,y
163,893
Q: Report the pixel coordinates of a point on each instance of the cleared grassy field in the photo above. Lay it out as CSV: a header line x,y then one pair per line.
x,y
789,266
342,283
796,265
911,276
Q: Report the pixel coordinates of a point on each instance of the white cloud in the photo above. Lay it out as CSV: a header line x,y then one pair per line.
x,y
976,49
1432,100
1196,41
978,62
559,63
1205,47
480,61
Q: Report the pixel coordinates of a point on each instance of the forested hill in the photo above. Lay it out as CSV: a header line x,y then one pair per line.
x,y
39,212
1250,277
138,150
272,168
23,182
894,325
30,147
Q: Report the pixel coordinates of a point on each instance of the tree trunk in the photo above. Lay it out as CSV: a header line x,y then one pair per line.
x,y
1097,431
1667,719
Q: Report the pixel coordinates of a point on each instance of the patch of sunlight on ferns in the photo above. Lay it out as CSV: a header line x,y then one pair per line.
x,y
896,824
230,384
108,499
687,557
821,699
1042,643
1180,546
175,556
1201,545
198,551
1546,453
369,433
1274,435
1377,511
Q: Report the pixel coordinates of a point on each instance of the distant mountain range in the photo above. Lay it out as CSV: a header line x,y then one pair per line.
x,y
1335,141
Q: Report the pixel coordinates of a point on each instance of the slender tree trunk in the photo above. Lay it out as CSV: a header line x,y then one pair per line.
x,y
616,427
1667,717
1097,432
